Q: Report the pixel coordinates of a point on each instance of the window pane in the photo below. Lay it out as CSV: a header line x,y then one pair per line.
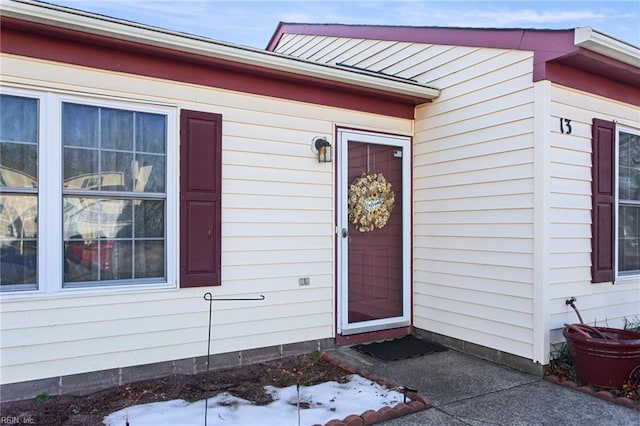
x,y
116,173
122,259
149,219
18,119
629,239
81,169
116,128
150,173
18,142
81,218
18,239
79,125
149,259
124,209
18,208
18,165
629,208
629,164
151,133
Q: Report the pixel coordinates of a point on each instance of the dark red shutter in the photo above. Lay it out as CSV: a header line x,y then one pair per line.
x,y
200,187
603,199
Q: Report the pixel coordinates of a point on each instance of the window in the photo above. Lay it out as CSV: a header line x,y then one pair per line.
x,y
104,219
616,202
113,194
628,202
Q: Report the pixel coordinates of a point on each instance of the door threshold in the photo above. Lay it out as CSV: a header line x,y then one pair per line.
x,y
353,339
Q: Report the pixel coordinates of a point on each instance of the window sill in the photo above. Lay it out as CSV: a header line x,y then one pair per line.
x,y
87,292
627,279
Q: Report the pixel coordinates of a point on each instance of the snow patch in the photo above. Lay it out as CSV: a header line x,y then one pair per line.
x,y
319,404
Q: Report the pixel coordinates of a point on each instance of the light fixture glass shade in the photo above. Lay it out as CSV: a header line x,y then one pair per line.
x,y
323,149
324,153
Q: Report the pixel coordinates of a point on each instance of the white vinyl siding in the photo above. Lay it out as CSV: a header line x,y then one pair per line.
x,y
473,183
502,199
474,201
277,225
570,214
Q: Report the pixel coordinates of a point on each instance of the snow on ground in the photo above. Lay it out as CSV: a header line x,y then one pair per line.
x,y
325,401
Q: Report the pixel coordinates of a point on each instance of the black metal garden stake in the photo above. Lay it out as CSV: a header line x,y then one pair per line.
x,y
209,298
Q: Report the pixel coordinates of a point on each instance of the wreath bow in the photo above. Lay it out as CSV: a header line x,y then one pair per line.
x,y
371,201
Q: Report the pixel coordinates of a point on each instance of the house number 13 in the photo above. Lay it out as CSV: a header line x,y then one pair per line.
x,y
565,126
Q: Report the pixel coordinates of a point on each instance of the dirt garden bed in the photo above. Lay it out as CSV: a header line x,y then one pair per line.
x,y
246,382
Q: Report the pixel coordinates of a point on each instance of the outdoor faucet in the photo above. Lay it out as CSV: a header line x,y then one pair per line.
x,y
572,303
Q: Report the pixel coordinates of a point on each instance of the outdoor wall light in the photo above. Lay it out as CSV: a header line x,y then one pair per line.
x,y
321,146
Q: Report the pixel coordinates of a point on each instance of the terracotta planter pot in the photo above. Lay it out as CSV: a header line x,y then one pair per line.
x,y
602,356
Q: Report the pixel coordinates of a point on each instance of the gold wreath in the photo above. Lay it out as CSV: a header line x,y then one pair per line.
x,y
371,201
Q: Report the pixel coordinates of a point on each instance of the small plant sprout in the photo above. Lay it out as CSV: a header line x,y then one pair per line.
x,y
43,397
632,324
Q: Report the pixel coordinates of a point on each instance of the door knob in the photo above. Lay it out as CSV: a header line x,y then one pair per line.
x,y
345,233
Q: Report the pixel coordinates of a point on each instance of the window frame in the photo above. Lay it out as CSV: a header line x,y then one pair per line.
x,y
618,276
50,194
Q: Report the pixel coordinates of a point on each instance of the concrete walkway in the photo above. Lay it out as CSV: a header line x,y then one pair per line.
x,y
466,390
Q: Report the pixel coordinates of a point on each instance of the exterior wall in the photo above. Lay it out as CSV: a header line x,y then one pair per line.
x,y
570,215
474,217
474,222
277,226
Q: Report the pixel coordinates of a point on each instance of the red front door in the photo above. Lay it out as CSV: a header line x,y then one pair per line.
x,y
373,267
375,256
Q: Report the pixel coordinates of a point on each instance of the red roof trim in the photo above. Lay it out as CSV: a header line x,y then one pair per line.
x,y
598,65
46,42
591,83
547,41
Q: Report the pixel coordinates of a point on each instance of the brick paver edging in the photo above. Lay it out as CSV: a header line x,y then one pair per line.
x,y
371,417
602,394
